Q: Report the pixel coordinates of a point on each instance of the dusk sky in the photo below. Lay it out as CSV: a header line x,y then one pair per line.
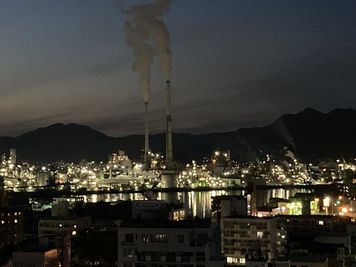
x,y
236,63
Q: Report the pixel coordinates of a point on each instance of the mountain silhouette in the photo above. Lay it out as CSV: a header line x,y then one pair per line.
x,y
311,134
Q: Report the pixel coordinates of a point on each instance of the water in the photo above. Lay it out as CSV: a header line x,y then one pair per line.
x,y
195,203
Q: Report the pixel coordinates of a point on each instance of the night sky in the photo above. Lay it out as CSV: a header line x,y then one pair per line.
x,y
235,64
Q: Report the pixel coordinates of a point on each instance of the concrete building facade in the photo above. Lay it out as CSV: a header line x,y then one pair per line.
x,y
245,238
11,226
168,243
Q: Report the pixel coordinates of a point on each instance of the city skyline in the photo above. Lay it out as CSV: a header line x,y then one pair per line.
x,y
68,62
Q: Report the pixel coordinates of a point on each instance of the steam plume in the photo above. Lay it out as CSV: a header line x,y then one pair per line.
x,y
137,37
160,35
147,36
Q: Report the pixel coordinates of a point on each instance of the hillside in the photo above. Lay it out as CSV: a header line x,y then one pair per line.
x,y
310,133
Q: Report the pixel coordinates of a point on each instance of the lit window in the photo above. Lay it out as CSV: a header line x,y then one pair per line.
x,y
74,232
242,260
128,253
321,222
159,238
60,225
15,221
2,222
232,260
145,238
259,234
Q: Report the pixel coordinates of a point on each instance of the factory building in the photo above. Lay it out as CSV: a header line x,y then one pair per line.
x,y
42,178
12,157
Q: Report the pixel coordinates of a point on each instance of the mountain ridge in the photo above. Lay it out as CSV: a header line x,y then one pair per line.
x,y
311,134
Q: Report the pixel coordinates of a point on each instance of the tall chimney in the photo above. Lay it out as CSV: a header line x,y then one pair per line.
x,y
169,145
147,140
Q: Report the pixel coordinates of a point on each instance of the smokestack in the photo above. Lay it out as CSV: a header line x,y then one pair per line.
x,y
148,37
169,145
147,140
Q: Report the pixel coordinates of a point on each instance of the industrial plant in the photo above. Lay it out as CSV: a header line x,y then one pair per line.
x,y
279,195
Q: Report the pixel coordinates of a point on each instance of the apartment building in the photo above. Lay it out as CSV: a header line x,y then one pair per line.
x,y
169,243
245,238
11,226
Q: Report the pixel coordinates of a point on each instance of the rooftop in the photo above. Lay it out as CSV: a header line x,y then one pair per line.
x,y
36,249
309,258
166,224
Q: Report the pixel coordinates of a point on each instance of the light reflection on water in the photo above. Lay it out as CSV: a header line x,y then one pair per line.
x,y
195,203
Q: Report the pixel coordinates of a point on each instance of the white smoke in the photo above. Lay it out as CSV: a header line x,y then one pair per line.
x,y
289,154
147,36
161,40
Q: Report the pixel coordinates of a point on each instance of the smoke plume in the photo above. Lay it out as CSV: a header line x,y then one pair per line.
x,y
148,37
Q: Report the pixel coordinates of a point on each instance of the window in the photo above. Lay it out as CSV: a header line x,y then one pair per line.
x,y
180,238
227,224
232,260
145,238
259,234
203,236
200,256
159,238
128,253
129,238
321,222
171,256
